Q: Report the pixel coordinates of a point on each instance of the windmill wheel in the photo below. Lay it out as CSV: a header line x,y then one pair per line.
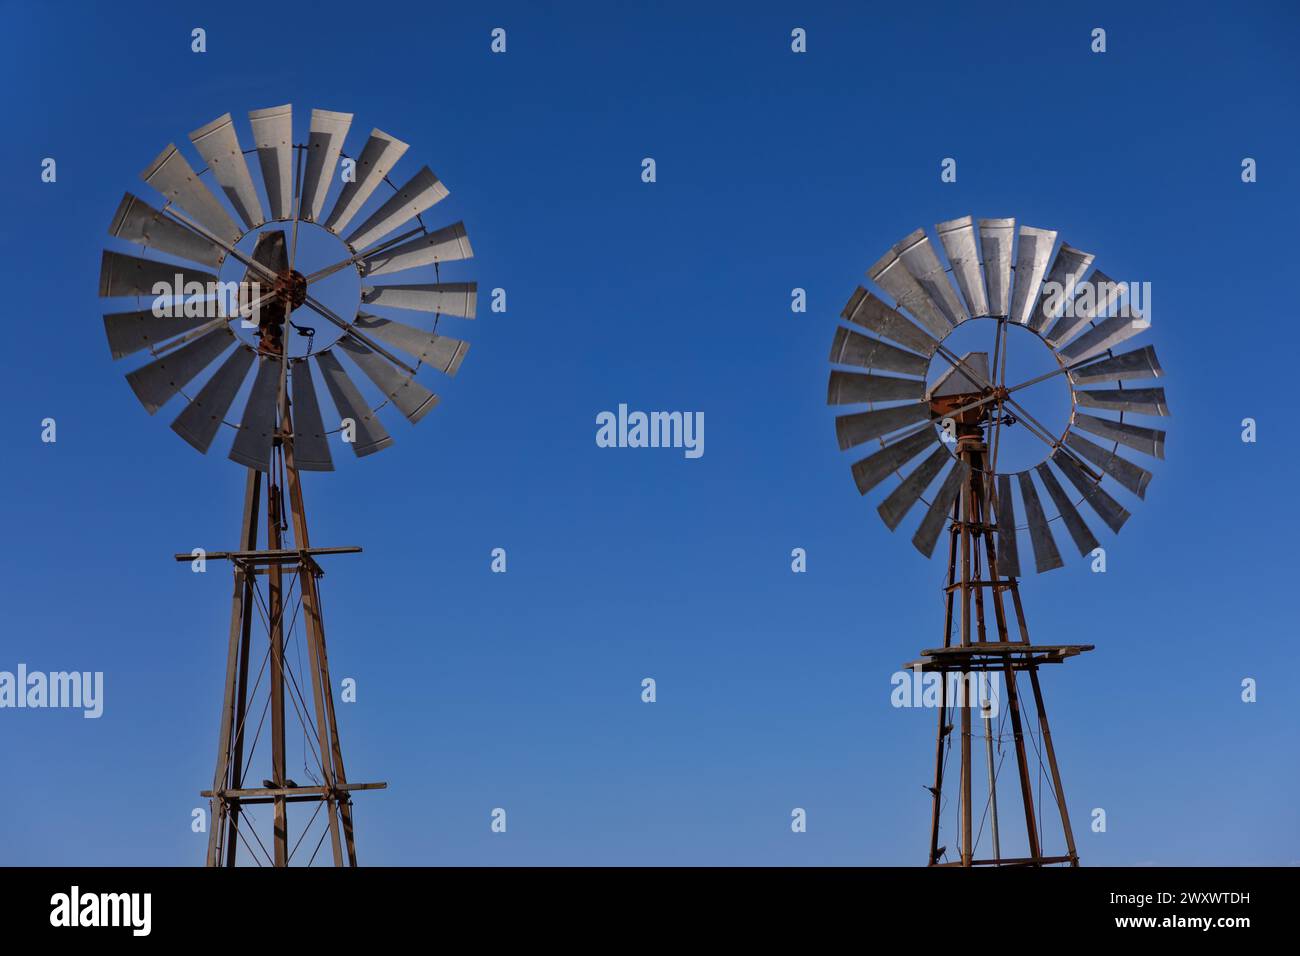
x,y
190,327
1079,321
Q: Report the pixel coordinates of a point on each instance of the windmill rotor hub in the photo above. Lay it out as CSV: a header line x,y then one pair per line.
x,y
291,289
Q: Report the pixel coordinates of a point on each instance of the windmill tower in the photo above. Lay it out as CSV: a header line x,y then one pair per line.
x,y
962,420
204,335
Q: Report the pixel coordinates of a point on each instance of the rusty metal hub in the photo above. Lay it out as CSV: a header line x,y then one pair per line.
x,y
291,289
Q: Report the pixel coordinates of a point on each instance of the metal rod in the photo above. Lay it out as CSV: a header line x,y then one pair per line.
x,y
373,250
993,789
349,330
171,211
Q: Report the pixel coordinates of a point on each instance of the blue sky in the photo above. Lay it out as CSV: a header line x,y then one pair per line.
x,y
775,170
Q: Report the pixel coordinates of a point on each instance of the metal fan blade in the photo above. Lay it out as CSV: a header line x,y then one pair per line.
x,y
445,298
1107,508
445,245
171,174
894,508
1142,401
412,399
1069,265
920,260
1140,363
1046,557
995,247
851,388
871,471
137,221
371,436
130,332
218,144
871,313
852,348
311,449
423,190
1074,523
1150,441
324,143
378,156
891,275
958,238
1107,334
927,534
162,378
1092,298
199,420
252,445
854,429
1032,253
1131,476
123,275
437,351
1008,558
273,137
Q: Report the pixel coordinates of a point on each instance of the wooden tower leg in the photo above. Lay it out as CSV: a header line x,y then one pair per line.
x,y
241,691
1058,786
275,608
223,823
325,734
942,733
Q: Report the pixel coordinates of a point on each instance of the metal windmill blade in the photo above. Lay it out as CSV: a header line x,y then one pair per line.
x,y
892,275
422,191
895,342
871,313
218,144
996,236
137,221
273,137
328,130
958,237
446,245
445,298
172,175
1032,252
1093,299
1138,364
378,157
1070,264
211,351
919,259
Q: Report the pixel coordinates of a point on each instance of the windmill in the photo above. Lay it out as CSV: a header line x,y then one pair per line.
x,y
959,422
278,424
